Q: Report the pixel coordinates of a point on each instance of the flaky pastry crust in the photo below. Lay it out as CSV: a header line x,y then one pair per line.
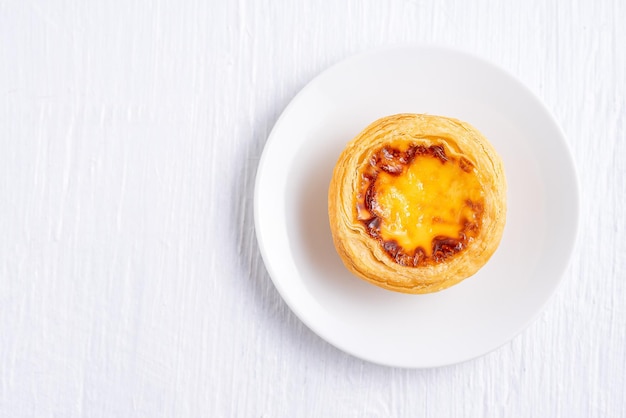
x,y
363,254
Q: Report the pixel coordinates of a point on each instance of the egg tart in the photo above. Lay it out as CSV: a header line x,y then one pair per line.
x,y
417,203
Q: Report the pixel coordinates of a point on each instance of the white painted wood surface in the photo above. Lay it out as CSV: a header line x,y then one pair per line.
x,y
130,280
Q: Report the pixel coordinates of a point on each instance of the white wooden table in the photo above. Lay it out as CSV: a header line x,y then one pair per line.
x,y
131,283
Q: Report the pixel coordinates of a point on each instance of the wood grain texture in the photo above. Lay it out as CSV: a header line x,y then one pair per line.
x,y
130,279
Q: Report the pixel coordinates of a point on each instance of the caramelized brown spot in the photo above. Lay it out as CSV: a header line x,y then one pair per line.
x,y
398,254
392,168
410,154
373,226
475,206
439,152
369,197
466,165
419,257
470,226
402,257
392,247
444,247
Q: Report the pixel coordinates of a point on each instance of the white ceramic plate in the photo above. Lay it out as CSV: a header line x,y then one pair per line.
x,y
466,320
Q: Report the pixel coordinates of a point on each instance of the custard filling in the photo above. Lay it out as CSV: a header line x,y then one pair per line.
x,y
423,204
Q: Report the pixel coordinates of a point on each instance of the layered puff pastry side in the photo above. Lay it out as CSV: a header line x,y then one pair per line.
x,y
417,203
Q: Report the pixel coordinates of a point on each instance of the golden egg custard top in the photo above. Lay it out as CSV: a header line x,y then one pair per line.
x,y
423,204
